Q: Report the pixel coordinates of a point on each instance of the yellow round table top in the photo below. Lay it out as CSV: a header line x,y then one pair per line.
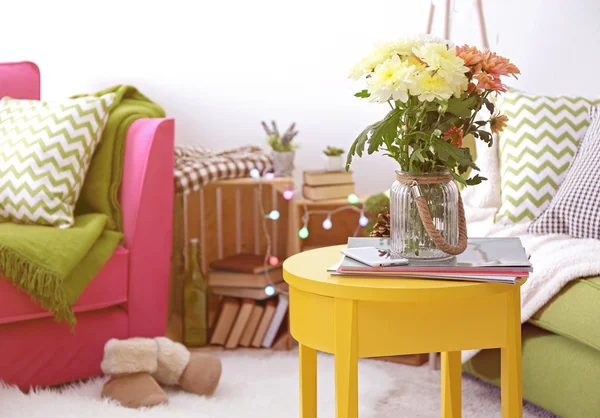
x,y
307,271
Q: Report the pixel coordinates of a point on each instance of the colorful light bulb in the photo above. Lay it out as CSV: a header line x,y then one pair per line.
x,y
273,260
273,215
288,194
303,233
269,290
353,199
363,220
269,176
254,173
327,224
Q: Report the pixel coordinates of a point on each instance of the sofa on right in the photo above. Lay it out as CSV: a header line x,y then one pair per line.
x,y
536,170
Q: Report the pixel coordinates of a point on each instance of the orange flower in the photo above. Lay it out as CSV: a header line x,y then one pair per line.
x,y
454,136
470,55
497,123
497,65
489,82
471,88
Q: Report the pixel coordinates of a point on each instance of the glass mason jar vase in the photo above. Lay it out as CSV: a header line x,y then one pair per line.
x,y
409,238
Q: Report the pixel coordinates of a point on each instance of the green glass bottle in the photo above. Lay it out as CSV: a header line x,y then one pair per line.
x,y
194,305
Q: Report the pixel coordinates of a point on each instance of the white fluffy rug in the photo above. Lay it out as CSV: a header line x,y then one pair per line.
x,y
263,384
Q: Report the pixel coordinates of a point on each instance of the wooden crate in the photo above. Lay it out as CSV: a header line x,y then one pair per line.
x,y
225,217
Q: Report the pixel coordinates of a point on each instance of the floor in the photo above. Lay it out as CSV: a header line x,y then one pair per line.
x,y
415,392
263,384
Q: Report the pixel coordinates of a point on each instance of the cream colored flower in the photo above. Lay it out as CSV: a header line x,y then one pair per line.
x,y
391,80
443,62
429,87
381,53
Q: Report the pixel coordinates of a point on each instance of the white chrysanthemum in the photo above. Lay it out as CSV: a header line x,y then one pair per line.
x,y
381,53
443,61
403,46
391,80
431,87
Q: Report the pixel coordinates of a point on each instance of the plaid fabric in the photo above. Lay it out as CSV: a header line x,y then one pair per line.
x,y
575,210
197,166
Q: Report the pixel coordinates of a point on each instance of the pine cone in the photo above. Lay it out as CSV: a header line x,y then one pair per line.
x,y
381,229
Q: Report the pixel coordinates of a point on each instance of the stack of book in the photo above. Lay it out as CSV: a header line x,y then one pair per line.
x,y
247,316
499,260
244,276
250,323
323,185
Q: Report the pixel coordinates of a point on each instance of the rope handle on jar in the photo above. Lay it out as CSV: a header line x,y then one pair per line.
x,y
434,234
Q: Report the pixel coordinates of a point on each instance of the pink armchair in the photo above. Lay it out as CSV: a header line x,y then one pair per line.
x,y
128,298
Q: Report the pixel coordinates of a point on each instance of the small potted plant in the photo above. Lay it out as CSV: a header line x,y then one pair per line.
x,y
334,158
283,149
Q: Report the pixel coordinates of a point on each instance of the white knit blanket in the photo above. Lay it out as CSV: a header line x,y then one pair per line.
x,y
557,259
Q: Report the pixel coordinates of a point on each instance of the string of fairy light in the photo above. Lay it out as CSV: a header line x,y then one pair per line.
x,y
270,258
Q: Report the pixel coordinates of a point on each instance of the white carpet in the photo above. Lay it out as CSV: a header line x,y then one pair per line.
x,y
265,385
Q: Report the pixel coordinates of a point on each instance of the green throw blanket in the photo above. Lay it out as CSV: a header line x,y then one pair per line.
x,y
55,265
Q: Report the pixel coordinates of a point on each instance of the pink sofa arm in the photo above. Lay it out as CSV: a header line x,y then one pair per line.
x,y
147,204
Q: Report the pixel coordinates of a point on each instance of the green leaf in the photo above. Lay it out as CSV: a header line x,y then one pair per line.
x,y
358,145
485,136
490,106
363,94
416,156
442,154
445,150
461,107
475,180
458,178
386,131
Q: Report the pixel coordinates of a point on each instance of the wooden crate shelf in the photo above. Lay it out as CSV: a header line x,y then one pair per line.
x,y
225,217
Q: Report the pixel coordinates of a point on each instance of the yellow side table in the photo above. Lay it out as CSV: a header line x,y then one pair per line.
x,y
354,318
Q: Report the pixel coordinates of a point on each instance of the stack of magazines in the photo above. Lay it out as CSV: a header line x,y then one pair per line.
x,y
500,260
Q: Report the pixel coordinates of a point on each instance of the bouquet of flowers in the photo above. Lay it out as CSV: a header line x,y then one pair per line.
x,y
435,91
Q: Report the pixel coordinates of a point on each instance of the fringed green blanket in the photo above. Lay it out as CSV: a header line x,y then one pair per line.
x,y
55,265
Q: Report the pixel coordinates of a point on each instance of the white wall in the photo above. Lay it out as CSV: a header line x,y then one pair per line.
x,y
220,67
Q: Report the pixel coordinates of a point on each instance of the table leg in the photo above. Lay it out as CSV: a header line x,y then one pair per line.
x,y
308,381
346,358
511,374
451,375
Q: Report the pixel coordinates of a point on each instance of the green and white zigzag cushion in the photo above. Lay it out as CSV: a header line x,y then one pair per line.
x,y
45,151
536,148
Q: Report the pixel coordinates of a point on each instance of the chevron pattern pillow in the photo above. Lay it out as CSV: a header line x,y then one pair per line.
x,y
536,148
575,210
45,151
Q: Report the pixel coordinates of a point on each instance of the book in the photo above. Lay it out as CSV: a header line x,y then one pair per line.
x,y
327,192
243,263
496,278
248,292
252,325
280,311
240,323
221,278
483,256
263,325
229,311
327,178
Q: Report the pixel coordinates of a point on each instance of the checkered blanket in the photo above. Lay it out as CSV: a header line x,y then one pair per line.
x,y
197,166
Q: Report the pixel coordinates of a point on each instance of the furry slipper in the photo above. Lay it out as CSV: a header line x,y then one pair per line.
x,y
194,372
130,364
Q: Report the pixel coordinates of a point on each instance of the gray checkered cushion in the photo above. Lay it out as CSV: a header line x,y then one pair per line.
x,y
575,210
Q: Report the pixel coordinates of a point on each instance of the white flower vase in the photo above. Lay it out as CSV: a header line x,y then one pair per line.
x,y
283,163
334,163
